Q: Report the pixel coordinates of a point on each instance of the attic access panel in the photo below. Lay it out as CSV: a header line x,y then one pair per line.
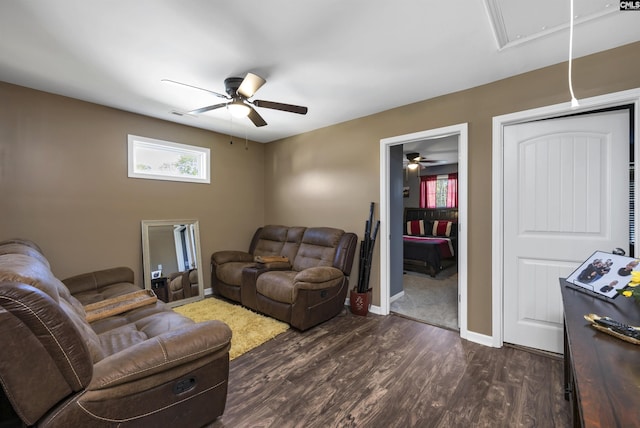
x,y
518,21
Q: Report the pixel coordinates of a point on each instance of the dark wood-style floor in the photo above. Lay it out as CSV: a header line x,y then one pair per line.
x,y
376,371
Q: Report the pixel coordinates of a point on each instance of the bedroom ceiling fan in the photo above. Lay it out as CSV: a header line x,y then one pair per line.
x,y
238,91
415,161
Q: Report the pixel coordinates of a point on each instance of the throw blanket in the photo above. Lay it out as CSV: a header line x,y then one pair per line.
x,y
445,248
271,259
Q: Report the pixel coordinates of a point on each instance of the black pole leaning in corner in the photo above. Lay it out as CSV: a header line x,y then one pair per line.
x,y
366,252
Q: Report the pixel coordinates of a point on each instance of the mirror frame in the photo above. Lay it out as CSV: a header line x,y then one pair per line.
x,y
146,259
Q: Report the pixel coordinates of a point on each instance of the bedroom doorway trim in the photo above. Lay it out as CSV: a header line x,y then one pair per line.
x,y
385,191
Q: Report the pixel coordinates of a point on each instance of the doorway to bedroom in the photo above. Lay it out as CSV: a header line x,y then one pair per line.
x,y
393,194
429,223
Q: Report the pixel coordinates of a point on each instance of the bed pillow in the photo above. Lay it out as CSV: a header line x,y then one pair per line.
x,y
442,228
415,227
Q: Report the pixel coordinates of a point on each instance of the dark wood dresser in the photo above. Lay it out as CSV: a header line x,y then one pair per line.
x,y
602,373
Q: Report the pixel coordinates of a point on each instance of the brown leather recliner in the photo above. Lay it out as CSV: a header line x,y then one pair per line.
x,y
307,290
146,367
182,285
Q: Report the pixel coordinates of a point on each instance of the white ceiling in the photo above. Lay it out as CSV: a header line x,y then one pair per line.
x,y
341,59
438,150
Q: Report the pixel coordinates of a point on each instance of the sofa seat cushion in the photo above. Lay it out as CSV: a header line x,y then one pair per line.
x,y
127,335
132,316
278,286
108,292
123,337
231,273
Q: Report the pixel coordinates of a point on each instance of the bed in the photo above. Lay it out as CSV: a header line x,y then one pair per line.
x,y
430,239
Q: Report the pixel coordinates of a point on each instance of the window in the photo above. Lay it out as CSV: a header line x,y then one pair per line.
x,y
164,160
439,191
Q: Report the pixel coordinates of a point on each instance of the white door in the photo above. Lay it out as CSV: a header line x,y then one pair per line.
x,y
566,195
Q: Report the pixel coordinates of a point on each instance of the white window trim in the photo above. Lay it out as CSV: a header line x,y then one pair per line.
x,y
202,153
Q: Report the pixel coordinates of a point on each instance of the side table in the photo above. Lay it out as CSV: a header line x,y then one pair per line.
x,y
159,286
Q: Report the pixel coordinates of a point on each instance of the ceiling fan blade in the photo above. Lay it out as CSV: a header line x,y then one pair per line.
x,y
256,118
250,84
194,87
206,109
281,106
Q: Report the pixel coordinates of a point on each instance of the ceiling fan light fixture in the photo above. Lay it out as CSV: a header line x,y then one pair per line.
x,y
413,166
237,108
239,90
413,157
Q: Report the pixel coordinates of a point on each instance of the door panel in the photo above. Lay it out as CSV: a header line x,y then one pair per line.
x,y
566,195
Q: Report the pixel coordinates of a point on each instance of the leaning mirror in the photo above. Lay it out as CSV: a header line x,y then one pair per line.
x,y
171,260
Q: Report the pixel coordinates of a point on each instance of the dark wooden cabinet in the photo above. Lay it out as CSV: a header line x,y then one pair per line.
x,y
159,286
602,373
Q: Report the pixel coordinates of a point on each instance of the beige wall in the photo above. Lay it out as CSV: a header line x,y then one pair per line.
x,y
63,183
63,173
329,176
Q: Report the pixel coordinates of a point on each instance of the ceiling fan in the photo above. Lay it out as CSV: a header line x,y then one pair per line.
x,y
238,91
415,160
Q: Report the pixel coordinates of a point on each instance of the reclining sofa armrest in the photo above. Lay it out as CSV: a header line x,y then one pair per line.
x,y
318,277
98,279
227,256
205,341
248,293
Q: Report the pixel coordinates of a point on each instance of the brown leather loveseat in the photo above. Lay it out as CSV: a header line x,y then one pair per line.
x,y
307,289
145,367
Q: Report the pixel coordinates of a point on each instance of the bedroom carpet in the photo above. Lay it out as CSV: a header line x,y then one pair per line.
x,y
249,329
430,300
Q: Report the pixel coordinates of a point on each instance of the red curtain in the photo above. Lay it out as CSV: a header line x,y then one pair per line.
x,y
428,188
429,191
452,190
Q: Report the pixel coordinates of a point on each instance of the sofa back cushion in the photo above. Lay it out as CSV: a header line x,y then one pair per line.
x,y
43,357
51,342
25,269
318,248
17,246
271,241
276,240
292,245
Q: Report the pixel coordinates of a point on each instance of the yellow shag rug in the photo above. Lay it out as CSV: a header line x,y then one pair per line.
x,y
249,328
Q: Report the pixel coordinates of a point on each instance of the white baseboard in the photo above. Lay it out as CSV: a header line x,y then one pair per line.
x,y
481,339
396,296
375,310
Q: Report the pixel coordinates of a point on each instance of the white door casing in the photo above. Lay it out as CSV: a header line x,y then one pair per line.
x,y
566,189
628,97
385,144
